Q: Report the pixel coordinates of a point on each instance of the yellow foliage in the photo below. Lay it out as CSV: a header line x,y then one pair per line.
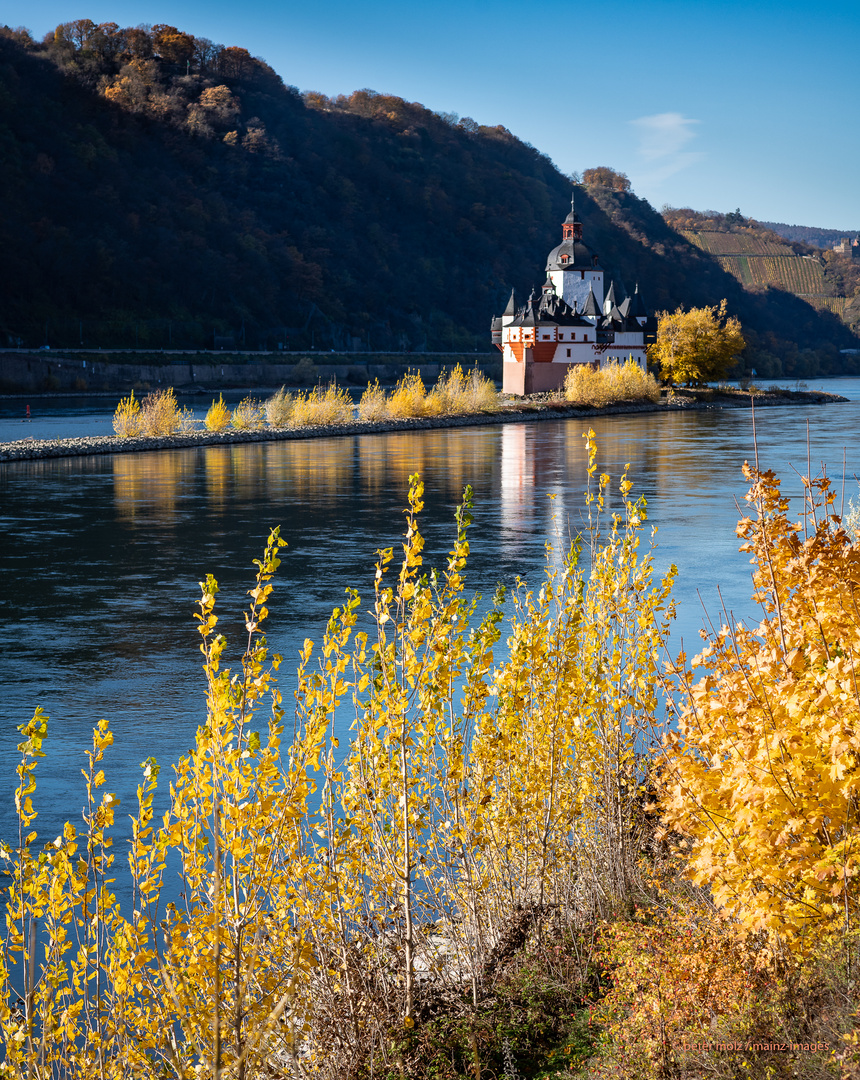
x,y
374,403
409,398
279,408
219,416
322,408
615,382
459,394
217,986
248,415
160,414
575,700
683,981
455,393
762,774
696,346
126,419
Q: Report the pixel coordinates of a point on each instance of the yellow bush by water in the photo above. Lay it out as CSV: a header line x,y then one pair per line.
x,y
279,407
459,393
454,394
126,419
157,414
322,407
219,415
374,403
248,415
409,397
615,382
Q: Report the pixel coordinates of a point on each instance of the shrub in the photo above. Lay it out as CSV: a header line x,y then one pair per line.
x,y
409,397
248,415
158,991
126,419
279,407
219,416
322,408
675,976
374,403
761,773
481,394
160,414
305,371
615,382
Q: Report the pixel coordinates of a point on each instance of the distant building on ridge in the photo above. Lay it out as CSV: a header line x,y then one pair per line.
x,y
571,322
848,247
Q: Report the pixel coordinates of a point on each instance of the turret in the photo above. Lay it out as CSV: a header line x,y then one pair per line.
x,y
638,310
590,309
572,226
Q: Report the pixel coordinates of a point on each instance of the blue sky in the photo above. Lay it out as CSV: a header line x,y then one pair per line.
x,y
715,105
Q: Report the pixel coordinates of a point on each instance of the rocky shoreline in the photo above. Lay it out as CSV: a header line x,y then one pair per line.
x,y
534,410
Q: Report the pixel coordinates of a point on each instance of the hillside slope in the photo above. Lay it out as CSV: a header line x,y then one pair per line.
x,y
155,201
762,259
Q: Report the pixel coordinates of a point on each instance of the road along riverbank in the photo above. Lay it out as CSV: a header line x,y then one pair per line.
x,y
533,410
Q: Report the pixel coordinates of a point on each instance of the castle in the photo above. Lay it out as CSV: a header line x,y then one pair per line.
x,y
572,322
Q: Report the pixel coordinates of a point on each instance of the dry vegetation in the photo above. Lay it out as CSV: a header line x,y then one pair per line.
x,y
455,393
616,382
479,884
158,414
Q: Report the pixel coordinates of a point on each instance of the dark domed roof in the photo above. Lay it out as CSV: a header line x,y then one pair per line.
x,y
579,257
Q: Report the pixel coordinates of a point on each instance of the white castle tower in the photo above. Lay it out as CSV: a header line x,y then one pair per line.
x,y
572,268
571,322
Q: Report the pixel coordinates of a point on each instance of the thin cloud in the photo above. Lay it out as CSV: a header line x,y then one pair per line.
x,y
662,138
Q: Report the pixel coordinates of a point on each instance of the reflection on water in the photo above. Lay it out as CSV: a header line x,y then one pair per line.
x,y
101,557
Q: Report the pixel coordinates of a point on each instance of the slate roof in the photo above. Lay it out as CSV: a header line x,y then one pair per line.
x,y
579,257
639,310
590,307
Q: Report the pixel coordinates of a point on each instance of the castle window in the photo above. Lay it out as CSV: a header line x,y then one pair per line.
x,y
568,352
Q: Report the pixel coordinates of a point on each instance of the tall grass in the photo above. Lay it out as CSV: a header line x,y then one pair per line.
x,y
322,407
374,403
248,415
615,382
278,408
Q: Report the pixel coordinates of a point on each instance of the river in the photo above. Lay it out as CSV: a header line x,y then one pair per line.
x,y
100,557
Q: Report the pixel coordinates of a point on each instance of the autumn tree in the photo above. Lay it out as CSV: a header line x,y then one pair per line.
x,y
696,346
762,773
172,45
603,176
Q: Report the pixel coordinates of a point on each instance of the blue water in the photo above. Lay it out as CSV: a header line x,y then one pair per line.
x,y
100,558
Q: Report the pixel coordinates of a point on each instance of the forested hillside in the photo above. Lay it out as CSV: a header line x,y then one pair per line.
x,y
763,259
809,234
159,190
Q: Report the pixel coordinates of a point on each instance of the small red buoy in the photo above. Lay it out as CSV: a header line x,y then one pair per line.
x,y
28,412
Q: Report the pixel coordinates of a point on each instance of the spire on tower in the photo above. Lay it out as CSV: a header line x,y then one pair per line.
x,y
639,311
572,226
590,307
